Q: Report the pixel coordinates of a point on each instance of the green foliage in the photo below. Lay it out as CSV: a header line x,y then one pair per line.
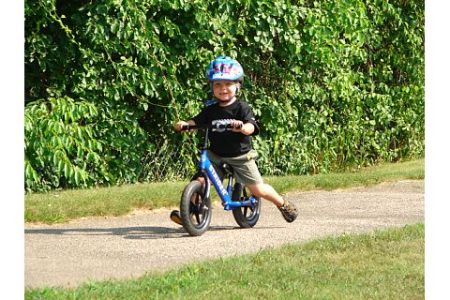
x,y
334,83
74,144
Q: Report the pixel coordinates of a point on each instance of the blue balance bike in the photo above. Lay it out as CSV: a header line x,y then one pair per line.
x,y
195,204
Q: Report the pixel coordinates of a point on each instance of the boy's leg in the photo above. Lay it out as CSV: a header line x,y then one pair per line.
x,y
248,174
267,192
263,190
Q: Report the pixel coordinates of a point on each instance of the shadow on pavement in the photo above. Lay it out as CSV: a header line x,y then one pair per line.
x,y
141,232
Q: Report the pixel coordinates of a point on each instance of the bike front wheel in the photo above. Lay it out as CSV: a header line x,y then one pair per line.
x,y
245,216
195,209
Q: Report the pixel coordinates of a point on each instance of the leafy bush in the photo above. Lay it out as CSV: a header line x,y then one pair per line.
x,y
335,84
74,144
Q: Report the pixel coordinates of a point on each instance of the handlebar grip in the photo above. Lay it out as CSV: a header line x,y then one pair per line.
x,y
188,127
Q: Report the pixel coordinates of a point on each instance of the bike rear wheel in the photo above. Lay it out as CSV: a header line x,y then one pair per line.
x,y
195,210
246,216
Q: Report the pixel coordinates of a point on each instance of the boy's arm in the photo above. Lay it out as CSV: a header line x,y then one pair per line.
x,y
250,125
248,129
179,125
244,128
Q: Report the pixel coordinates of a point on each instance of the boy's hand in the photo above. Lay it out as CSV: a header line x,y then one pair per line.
x,y
237,125
179,125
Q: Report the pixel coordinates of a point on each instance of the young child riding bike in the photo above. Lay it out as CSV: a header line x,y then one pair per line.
x,y
234,147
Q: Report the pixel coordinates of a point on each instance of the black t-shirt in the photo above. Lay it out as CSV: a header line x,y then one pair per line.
x,y
228,143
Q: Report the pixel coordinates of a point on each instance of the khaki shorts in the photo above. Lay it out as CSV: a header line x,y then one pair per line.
x,y
244,166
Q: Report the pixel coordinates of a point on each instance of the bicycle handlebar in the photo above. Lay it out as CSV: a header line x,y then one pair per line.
x,y
218,126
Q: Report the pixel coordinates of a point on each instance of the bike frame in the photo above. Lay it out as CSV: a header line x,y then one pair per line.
x,y
210,175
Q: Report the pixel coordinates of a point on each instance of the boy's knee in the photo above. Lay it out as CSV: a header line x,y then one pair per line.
x,y
259,190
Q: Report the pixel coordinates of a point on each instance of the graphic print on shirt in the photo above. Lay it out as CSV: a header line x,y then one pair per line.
x,y
221,125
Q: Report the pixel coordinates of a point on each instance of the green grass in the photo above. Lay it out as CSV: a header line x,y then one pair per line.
x,y
386,264
414,169
62,206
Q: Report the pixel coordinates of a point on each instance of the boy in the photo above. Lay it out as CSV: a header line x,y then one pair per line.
x,y
234,147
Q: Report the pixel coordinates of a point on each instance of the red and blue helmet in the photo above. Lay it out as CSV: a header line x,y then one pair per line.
x,y
224,68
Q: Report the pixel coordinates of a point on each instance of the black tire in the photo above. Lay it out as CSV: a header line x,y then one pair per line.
x,y
195,210
246,217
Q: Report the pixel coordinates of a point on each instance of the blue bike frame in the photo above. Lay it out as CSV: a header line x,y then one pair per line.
x,y
206,167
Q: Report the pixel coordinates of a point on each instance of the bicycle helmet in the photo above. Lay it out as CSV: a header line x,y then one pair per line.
x,y
225,68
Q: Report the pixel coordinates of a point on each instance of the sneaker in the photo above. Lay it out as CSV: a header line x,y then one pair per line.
x,y
289,211
176,217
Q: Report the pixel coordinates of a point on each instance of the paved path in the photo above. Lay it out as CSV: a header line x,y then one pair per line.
x,y
128,247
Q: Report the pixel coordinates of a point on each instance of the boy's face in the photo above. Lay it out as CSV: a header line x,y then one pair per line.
x,y
225,90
